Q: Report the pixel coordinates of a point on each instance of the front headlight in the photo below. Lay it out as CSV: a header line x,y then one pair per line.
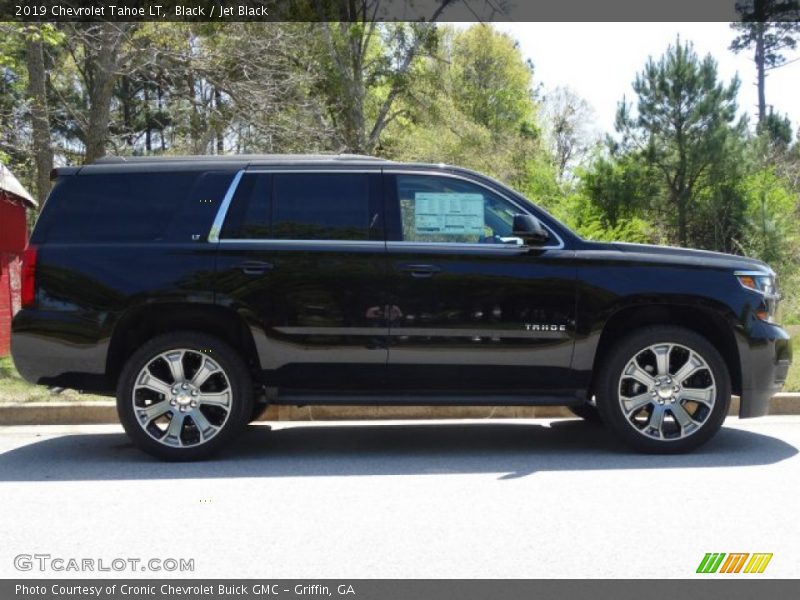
x,y
766,285
758,282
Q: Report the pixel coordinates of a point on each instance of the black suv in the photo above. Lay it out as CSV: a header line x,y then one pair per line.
x,y
199,289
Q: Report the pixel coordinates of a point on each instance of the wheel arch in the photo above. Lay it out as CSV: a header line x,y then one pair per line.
x,y
143,323
702,319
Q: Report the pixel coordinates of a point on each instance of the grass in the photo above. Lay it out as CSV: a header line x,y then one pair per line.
x,y
15,389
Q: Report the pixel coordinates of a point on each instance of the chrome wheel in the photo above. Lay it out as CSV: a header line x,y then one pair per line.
x,y
182,398
667,392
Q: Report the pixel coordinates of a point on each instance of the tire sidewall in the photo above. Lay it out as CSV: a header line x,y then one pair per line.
x,y
238,378
608,392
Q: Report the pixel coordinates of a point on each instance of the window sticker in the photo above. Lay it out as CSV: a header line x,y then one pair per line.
x,y
448,213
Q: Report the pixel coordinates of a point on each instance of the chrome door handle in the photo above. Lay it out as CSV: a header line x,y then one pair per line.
x,y
421,271
255,267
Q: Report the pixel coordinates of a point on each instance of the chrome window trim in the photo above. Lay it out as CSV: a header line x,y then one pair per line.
x,y
430,172
222,212
301,169
219,219
293,243
496,248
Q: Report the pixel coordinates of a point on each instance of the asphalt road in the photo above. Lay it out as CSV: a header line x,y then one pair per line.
x,y
533,498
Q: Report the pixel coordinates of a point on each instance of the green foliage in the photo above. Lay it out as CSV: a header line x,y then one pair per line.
x,y
492,82
589,220
471,105
681,127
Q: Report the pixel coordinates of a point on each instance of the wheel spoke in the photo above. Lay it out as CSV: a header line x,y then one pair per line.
x,y
702,395
634,371
173,435
206,370
175,362
148,413
656,420
219,399
149,381
689,368
631,405
683,418
205,428
662,358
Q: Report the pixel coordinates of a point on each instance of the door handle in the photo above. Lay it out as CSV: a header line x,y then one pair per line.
x,y
255,267
421,271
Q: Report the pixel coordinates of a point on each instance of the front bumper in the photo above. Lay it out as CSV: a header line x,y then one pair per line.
x,y
765,354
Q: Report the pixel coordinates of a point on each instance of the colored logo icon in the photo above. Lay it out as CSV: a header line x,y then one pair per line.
x,y
735,562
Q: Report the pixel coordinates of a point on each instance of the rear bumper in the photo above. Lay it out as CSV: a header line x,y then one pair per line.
x,y
53,349
766,355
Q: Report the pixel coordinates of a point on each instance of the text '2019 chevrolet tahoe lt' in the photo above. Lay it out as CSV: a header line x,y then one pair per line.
x,y
197,288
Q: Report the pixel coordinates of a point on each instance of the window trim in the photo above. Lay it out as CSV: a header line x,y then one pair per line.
x,y
222,213
456,245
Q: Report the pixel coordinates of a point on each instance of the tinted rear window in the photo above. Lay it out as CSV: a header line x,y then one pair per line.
x,y
132,207
302,206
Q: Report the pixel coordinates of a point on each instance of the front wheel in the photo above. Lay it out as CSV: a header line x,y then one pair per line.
x,y
664,390
184,395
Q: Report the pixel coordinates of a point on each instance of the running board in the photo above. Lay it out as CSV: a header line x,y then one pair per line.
x,y
315,399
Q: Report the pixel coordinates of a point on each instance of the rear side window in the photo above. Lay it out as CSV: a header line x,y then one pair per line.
x,y
305,206
132,207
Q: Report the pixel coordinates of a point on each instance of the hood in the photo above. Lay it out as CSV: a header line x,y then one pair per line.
x,y
685,256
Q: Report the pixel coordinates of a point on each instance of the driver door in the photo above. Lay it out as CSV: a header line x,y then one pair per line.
x,y
471,308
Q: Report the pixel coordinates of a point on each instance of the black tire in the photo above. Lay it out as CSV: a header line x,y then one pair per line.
x,y
222,423
587,412
670,436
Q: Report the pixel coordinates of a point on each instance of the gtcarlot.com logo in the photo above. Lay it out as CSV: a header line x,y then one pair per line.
x,y
735,562
47,562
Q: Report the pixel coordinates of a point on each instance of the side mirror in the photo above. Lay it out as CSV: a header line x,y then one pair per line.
x,y
529,230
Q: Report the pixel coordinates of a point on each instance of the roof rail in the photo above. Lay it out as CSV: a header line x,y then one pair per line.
x,y
243,157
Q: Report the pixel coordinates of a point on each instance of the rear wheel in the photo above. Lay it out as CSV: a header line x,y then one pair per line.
x,y
664,390
184,395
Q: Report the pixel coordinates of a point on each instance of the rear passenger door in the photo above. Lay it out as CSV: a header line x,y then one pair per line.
x,y
302,259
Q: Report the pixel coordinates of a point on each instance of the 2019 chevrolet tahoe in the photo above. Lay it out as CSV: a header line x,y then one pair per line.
x,y
198,289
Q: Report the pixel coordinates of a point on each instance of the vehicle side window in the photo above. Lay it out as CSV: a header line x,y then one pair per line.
x,y
301,206
248,217
446,210
124,207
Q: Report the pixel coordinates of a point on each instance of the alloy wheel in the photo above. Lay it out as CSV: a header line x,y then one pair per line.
x,y
182,398
667,392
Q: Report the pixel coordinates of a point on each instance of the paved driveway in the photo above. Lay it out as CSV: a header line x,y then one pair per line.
x,y
532,498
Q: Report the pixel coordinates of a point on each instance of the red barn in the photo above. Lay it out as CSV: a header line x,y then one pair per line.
x,y
14,201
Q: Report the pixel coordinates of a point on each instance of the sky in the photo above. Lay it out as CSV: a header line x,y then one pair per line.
x,y
599,62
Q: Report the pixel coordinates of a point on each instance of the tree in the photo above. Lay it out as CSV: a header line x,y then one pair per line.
x,y
37,37
769,27
98,51
367,67
567,121
683,119
472,105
